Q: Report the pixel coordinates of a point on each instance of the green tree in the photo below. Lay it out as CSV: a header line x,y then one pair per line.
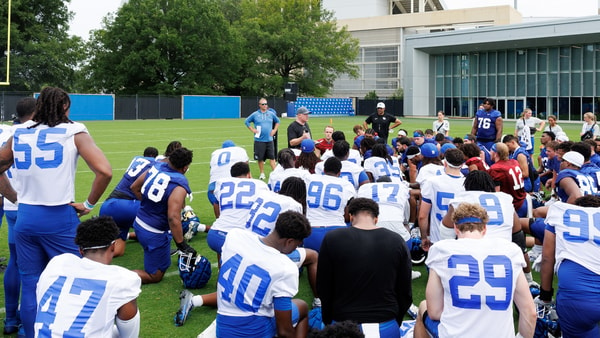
x,y
41,51
372,95
165,47
293,40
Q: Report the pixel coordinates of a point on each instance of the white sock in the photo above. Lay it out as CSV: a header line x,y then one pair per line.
x,y
528,277
197,301
201,227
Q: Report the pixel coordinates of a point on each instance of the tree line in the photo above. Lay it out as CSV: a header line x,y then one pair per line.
x,y
175,47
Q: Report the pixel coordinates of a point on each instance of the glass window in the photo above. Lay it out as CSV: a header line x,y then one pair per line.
x,y
447,86
521,60
473,86
381,54
501,62
492,62
564,84
553,84
576,114
541,111
474,63
576,58
541,84
439,105
491,83
482,63
520,85
542,56
511,61
587,104
531,61
456,86
439,86
439,65
501,85
563,108
531,85
588,57
482,85
565,58
511,86
386,85
553,59
575,84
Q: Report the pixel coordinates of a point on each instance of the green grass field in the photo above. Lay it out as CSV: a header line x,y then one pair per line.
x,y
122,140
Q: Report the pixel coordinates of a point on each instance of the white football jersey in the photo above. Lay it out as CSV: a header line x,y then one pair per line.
x,y
221,161
78,294
326,200
5,134
354,156
479,278
392,198
45,161
499,208
235,197
350,172
427,171
439,191
266,208
577,234
378,167
277,177
254,271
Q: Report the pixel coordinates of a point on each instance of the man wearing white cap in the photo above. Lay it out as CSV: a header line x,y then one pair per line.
x,y
380,122
577,176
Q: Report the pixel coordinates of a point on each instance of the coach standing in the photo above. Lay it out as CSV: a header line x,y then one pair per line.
x,y
298,130
266,124
380,122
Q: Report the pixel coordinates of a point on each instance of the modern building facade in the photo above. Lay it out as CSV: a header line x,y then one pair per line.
x,y
451,59
552,67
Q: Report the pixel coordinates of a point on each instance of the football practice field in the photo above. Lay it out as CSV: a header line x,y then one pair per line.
x,y
122,140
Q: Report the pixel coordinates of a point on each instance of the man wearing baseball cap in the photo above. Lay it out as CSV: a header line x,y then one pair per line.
x,y
380,122
299,129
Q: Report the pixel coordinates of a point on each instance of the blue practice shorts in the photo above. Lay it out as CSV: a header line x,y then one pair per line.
x,y
123,211
216,239
538,228
389,329
157,249
577,301
298,256
316,237
431,325
228,326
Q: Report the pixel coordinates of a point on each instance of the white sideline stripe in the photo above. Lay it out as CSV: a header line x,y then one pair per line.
x,y
3,310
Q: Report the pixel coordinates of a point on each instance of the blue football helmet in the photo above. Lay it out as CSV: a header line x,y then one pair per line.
x,y
547,324
189,222
417,254
195,271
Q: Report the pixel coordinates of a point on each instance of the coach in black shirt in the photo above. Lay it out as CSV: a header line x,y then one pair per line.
x,y
380,122
299,129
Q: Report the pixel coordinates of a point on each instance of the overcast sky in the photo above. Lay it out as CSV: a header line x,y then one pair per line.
x,y
89,13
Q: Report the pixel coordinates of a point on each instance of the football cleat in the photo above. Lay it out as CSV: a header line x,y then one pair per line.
x,y
195,271
185,306
417,254
11,326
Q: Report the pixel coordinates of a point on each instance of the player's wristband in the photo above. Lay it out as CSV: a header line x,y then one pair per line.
x,y
546,295
88,205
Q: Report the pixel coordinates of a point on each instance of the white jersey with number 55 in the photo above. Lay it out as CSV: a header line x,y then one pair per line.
x,y
45,159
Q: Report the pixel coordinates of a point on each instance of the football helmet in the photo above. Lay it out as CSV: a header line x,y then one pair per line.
x,y
417,254
189,222
547,324
195,271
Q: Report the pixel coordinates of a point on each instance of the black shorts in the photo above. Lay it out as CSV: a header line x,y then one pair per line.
x,y
263,151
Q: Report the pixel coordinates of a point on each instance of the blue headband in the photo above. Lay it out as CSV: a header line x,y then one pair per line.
x,y
469,220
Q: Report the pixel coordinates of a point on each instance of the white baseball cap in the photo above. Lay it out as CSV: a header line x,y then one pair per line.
x,y
381,105
574,158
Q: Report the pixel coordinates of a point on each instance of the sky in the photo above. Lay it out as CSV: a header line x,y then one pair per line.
x,y
89,13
